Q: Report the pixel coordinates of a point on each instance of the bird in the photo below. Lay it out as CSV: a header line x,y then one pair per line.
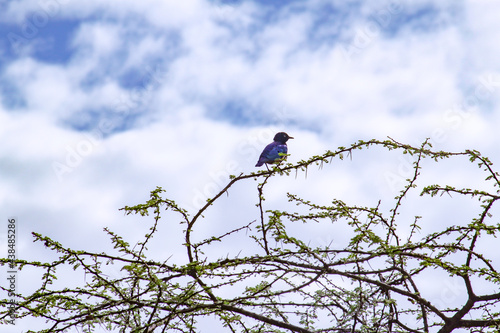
x,y
276,151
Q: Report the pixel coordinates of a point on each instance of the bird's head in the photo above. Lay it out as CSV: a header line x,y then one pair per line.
x,y
282,137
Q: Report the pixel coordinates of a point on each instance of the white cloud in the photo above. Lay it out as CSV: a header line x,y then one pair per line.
x,y
100,40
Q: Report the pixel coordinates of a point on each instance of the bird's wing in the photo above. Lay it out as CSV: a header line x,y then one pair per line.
x,y
265,153
274,151
278,151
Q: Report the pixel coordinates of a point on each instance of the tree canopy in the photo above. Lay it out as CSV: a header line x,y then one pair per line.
x,y
374,282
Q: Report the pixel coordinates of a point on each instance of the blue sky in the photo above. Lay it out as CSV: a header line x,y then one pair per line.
x,y
105,100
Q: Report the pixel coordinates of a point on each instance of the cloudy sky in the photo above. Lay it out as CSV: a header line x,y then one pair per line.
x,y
102,101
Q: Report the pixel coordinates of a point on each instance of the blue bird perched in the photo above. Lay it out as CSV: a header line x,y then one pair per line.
x,y
275,151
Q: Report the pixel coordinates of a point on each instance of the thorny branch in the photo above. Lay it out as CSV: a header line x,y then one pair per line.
x,y
374,282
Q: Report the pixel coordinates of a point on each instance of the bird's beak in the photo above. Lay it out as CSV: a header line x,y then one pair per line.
x,y
290,137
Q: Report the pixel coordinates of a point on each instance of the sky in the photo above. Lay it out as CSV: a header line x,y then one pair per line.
x,y
102,101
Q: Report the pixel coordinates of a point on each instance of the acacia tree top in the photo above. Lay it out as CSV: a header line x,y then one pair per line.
x,y
375,282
